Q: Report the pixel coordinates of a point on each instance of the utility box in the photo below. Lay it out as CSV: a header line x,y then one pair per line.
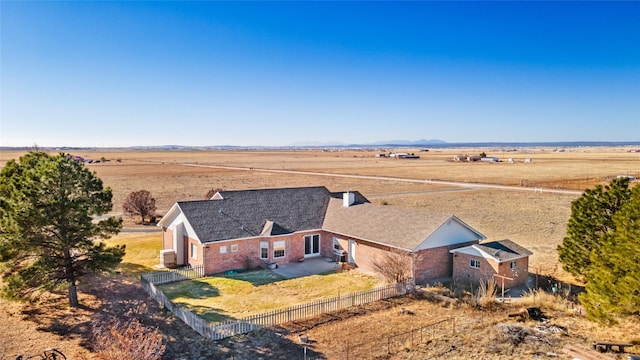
x,y
168,258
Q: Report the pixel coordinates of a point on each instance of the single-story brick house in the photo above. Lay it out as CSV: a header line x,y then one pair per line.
x,y
504,258
249,228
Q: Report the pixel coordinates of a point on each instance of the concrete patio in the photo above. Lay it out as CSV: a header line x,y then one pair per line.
x,y
308,267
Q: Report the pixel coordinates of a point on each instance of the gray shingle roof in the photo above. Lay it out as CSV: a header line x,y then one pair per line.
x,y
245,213
504,250
392,225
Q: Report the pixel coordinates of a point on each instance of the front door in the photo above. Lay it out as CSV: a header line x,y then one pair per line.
x,y
311,245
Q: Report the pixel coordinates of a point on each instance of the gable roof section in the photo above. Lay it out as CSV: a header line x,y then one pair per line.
x,y
248,213
383,224
500,251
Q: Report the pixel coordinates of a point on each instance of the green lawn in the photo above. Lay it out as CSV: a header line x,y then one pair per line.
x,y
219,298
142,251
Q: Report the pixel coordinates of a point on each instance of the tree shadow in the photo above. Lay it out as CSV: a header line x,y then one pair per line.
x,y
193,289
553,285
121,297
133,269
264,344
256,277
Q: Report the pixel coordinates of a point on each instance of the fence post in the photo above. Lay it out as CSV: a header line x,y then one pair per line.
x,y
388,345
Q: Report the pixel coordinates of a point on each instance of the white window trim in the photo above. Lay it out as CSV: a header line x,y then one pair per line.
x,y
477,264
319,245
279,245
513,265
234,247
264,245
194,251
223,249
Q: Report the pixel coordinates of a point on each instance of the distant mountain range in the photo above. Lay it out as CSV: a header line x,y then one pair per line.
x,y
433,143
422,142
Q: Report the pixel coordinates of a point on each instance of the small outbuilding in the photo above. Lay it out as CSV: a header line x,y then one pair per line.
x,y
499,260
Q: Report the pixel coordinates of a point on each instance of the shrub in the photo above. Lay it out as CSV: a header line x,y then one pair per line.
x,y
126,339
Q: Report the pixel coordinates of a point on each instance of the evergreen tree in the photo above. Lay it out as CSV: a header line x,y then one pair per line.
x,y
47,235
591,218
613,286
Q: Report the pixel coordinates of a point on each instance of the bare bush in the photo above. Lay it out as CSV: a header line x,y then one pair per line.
x,y
486,295
139,203
126,339
393,266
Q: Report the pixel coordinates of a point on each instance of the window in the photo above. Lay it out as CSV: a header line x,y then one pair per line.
x,y
311,245
194,251
475,264
513,265
223,249
278,249
234,247
264,249
336,243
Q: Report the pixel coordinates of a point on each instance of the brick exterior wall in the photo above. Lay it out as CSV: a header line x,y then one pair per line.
x,y
247,254
464,273
367,253
167,238
436,263
430,264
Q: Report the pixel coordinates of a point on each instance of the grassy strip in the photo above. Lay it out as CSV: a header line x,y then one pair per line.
x,y
219,298
142,252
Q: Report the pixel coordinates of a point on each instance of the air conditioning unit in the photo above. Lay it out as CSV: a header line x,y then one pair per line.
x,y
168,258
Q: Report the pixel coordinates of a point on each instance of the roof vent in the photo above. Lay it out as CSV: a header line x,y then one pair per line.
x,y
348,199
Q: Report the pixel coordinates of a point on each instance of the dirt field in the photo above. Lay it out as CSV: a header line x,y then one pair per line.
x,y
535,220
430,329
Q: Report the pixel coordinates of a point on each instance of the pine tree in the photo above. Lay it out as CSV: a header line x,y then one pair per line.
x,y
613,287
591,218
47,233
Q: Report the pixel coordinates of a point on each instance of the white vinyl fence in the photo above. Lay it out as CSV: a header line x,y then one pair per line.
x,y
229,328
174,275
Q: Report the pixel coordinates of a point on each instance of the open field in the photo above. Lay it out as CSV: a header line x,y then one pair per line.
x,y
535,220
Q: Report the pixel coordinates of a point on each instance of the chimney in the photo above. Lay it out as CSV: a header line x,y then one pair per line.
x,y
348,198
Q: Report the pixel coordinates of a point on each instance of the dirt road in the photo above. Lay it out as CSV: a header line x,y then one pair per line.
x,y
385,178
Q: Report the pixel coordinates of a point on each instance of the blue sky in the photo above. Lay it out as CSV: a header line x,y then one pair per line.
x,y
279,73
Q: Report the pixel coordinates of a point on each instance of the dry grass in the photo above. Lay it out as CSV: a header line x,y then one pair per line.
x,y
468,334
537,221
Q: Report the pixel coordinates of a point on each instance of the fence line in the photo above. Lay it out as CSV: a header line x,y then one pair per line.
x,y
174,275
391,344
408,339
221,330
